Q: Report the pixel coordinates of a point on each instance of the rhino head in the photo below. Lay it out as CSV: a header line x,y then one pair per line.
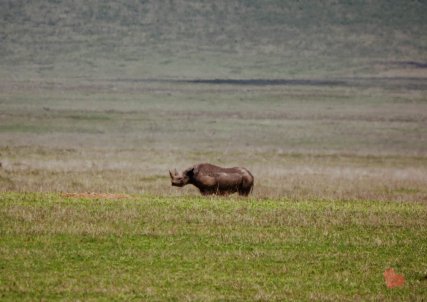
x,y
180,179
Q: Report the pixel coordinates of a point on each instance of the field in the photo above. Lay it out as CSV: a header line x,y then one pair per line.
x,y
209,249
324,102
339,197
351,140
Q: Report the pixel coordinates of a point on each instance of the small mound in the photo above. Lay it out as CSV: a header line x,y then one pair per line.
x,y
93,195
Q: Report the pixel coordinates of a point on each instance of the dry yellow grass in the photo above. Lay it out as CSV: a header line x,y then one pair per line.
x,y
338,142
398,178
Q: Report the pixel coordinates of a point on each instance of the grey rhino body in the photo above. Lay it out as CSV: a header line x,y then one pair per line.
x,y
211,179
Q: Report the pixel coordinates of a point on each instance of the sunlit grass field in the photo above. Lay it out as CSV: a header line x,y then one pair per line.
x,y
208,249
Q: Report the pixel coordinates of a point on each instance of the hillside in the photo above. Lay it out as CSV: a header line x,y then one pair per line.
x,y
211,39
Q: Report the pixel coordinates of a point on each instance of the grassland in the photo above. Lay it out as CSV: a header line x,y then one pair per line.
x,y
346,141
209,249
325,102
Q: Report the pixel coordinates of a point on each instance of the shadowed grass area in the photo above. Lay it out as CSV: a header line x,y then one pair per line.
x,y
198,38
187,248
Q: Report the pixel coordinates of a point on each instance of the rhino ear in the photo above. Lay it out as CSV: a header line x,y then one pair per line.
x,y
170,173
189,172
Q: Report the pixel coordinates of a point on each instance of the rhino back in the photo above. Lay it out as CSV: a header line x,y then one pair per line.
x,y
209,169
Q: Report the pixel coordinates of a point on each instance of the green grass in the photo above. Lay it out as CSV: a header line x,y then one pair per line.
x,y
206,249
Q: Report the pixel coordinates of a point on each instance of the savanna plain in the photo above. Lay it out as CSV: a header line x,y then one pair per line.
x,y
339,195
325,104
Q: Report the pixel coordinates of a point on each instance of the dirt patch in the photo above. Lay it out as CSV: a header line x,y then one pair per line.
x,y
268,82
93,195
410,64
394,81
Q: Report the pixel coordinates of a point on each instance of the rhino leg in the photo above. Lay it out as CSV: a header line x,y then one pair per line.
x,y
205,192
245,191
247,185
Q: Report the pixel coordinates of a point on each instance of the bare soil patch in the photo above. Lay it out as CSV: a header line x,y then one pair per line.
x,y
92,195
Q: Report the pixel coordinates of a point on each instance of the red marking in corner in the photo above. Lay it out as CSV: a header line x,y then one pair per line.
x,y
392,279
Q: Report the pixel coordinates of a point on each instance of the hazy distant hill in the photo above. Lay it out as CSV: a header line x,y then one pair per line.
x,y
228,39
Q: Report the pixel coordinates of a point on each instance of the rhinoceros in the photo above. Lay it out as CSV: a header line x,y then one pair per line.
x,y
211,179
